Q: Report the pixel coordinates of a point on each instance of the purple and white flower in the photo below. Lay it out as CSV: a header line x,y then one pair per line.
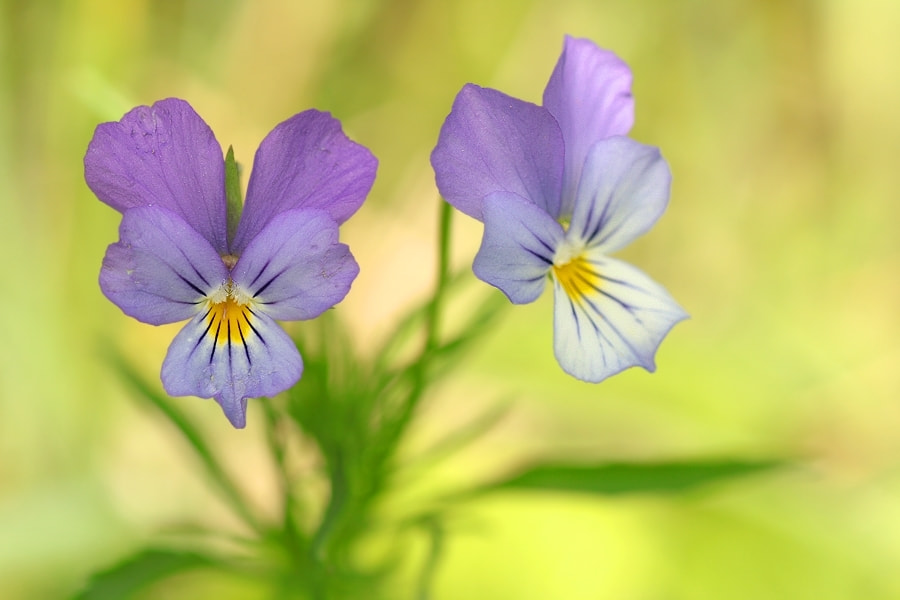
x,y
163,169
558,189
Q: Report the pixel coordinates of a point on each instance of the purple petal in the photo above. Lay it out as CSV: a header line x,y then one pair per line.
x,y
231,358
624,189
305,162
295,269
615,319
492,142
161,269
517,248
162,155
589,93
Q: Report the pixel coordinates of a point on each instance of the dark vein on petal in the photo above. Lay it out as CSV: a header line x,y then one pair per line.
x,y
255,330
604,339
268,283
601,221
187,259
622,337
623,283
574,317
546,246
537,255
229,344
216,340
587,221
533,279
243,341
193,287
258,275
200,275
628,307
608,234
205,331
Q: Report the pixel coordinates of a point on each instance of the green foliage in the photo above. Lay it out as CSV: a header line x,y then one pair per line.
x,y
357,411
135,573
610,479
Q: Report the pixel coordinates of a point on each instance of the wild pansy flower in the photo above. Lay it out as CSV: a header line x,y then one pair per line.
x,y
181,255
558,189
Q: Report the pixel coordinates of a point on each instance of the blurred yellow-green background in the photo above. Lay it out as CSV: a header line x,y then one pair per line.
x,y
779,120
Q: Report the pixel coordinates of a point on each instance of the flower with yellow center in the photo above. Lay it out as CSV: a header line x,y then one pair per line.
x,y
559,189
185,253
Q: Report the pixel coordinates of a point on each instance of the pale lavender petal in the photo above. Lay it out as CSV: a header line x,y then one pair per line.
x,y
492,142
296,269
161,269
624,189
518,246
305,162
618,322
254,358
589,93
166,156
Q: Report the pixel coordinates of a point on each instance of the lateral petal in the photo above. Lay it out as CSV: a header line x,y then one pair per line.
x,y
163,155
305,162
518,246
589,93
491,142
614,318
161,269
623,191
231,357
295,268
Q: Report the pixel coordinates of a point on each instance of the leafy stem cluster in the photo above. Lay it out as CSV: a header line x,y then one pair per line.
x,y
356,413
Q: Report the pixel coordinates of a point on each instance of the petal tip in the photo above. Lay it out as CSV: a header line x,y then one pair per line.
x,y
235,412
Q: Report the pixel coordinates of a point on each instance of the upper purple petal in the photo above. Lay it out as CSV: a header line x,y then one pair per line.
x,y
163,155
296,269
305,162
161,269
624,189
589,93
518,246
492,142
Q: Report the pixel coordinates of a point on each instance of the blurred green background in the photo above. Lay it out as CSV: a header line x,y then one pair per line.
x,y
779,120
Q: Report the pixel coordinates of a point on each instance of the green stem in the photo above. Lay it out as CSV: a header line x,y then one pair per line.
x,y
436,533
228,489
333,510
432,325
443,274
276,445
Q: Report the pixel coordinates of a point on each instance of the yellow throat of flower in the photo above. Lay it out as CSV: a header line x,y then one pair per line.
x,y
229,321
577,277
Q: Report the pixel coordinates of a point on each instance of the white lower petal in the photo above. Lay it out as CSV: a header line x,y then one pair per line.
x,y
609,316
231,353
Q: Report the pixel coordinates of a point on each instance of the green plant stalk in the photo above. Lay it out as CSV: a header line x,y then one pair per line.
x,y
432,327
228,489
443,275
276,446
342,487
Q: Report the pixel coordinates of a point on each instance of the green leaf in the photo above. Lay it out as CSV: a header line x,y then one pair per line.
x,y
136,572
612,479
192,435
233,199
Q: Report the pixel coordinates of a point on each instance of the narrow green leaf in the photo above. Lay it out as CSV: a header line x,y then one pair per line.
x,y
136,572
192,435
627,478
233,199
